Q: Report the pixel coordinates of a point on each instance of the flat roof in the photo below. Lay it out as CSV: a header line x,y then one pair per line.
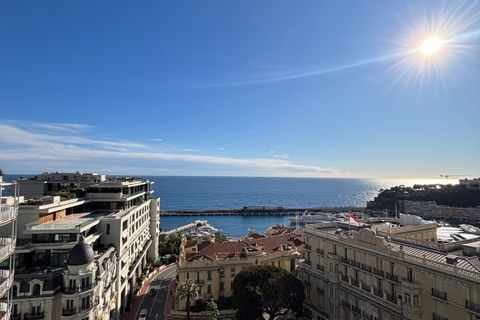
x,y
76,222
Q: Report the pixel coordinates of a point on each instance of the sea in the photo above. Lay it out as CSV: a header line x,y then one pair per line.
x,y
182,192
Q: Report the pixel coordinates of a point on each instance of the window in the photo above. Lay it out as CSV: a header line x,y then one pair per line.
x,y
108,229
69,305
415,301
221,286
85,302
72,284
408,299
209,275
86,282
14,291
36,289
209,289
410,274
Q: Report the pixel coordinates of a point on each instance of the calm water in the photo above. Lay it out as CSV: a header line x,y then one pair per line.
x,y
236,192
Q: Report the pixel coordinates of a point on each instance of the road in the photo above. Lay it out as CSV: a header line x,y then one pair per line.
x,y
156,304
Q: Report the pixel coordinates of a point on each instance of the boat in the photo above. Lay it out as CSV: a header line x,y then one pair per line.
x,y
307,217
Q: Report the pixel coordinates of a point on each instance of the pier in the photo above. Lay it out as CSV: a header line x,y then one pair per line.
x,y
259,211
185,227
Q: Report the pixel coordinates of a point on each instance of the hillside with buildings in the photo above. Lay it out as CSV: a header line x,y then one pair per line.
x,y
466,194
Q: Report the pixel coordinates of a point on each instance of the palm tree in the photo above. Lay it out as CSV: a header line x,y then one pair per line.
x,y
188,290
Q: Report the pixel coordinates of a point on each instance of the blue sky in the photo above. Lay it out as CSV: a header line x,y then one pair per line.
x,y
255,88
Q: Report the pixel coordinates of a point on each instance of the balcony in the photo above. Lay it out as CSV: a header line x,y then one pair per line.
x,y
379,272
344,278
320,291
69,312
438,317
366,268
307,284
346,304
365,287
7,213
320,267
6,279
392,298
34,316
354,282
320,251
308,262
390,276
344,260
439,294
77,289
7,246
308,246
367,316
378,293
356,310
475,307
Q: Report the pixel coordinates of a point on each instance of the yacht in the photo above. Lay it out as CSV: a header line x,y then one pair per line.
x,y
307,217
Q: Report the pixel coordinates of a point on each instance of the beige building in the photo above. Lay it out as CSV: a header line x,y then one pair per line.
x,y
354,272
213,265
81,256
8,216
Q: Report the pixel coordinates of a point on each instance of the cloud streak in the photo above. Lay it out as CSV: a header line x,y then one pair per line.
x,y
20,144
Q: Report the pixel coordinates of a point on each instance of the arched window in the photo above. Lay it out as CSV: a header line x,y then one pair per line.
x,y
36,289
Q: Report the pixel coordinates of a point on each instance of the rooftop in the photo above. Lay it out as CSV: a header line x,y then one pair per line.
x,y
76,222
206,250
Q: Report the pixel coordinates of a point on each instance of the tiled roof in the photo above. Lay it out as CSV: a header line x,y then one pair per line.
x,y
237,249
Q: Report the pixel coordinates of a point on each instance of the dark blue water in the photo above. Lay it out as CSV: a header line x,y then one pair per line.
x,y
236,192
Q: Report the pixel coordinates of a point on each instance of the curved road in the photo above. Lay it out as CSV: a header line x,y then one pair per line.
x,y
155,305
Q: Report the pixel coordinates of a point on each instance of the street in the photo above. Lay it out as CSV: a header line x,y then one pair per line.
x,y
156,304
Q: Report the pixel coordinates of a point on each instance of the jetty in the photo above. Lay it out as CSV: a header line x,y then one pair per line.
x,y
260,211
185,228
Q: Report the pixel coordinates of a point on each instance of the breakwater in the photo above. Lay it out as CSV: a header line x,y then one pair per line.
x,y
260,211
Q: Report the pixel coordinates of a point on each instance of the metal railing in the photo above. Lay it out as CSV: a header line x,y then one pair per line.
x,y
7,212
34,316
7,246
436,316
472,306
439,294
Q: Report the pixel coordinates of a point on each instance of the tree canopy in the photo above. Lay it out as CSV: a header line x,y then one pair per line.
x,y
188,290
266,289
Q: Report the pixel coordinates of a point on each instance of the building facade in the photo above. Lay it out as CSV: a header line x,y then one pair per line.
x,y
213,265
355,273
82,256
8,216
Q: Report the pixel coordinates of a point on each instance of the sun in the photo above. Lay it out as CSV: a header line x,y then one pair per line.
x,y
430,46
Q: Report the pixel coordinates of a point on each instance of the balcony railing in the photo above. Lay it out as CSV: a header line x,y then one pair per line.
x,y
69,312
391,276
379,272
365,287
392,298
308,262
320,291
307,284
320,267
346,304
320,251
71,290
344,278
7,246
366,268
34,316
438,317
7,212
356,310
472,306
439,294
308,246
354,282
378,293
6,279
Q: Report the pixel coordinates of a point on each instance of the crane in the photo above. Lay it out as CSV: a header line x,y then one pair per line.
x,y
446,176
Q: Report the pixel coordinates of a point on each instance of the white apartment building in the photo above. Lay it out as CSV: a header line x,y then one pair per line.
x,y
79,257
8,214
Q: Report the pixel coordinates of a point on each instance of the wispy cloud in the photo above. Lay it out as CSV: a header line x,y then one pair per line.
x,y
190,150
23,147
156,139
221,149
279,155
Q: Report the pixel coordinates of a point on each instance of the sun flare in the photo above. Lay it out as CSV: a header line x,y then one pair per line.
x,y
430,46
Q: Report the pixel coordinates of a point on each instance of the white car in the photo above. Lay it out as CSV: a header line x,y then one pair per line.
x,y
143,314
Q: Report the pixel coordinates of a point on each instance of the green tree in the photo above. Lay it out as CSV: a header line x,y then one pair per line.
x,y
266,289
213,308
188,290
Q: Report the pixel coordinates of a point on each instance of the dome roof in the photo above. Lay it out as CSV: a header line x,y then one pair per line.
x,y
81,253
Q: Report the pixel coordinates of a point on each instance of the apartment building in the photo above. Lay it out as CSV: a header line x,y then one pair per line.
x,y
81,256
354,272
213,265
8,215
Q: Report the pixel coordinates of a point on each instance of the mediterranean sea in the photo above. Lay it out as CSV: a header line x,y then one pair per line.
x,y
181,192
